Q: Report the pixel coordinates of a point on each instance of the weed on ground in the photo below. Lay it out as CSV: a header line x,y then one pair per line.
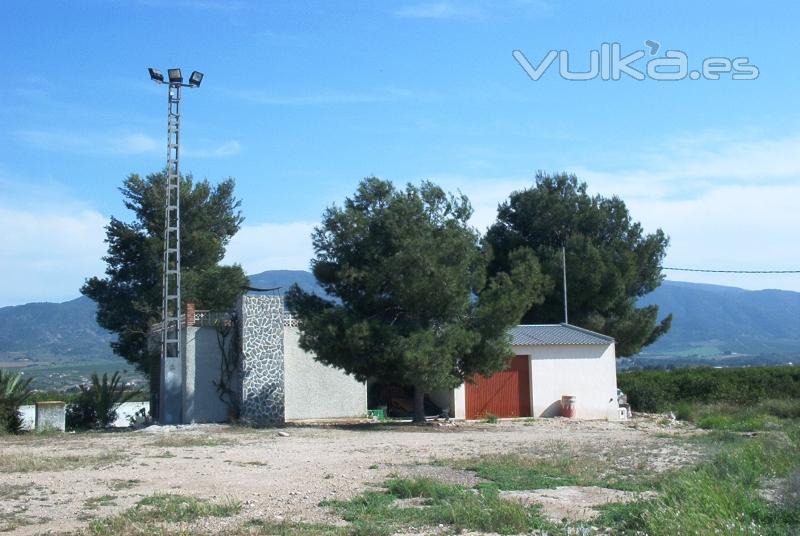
x,y
27,463
149,514
514,472
119,484
442,505
720,496
10,492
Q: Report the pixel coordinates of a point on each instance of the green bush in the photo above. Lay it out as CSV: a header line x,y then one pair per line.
x,y
13,392
659,391
96,405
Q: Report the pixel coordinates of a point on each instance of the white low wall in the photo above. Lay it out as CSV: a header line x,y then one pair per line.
x,y
316,391
587,372
124,411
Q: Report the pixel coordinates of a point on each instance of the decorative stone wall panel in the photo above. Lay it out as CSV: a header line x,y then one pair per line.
x,y
262,325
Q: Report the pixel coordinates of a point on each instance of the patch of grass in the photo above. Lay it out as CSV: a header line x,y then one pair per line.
x,y
14,491
490,418
119,484
180,508
456,507
14,519
189,441
764,415
721,495
93,503
516,472
149,513
27,463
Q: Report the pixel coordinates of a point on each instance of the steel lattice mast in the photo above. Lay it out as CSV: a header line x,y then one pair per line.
x,y
172,362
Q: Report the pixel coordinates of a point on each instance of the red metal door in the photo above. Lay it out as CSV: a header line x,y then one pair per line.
x,y
504,394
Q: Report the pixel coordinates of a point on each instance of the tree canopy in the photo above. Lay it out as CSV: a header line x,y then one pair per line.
x,y
409,298
610,260
129,298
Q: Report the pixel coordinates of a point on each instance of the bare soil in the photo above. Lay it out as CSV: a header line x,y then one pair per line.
x,y
573,503
285,478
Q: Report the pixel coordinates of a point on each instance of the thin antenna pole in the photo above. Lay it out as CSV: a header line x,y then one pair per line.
x,y
564,271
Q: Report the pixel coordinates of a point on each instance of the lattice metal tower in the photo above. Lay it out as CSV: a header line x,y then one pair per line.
x,y
172,358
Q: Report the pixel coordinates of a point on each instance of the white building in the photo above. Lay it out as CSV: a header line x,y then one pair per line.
x,y
552,361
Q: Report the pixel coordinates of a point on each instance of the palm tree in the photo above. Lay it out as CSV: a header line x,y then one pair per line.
x,y
13,392
97,404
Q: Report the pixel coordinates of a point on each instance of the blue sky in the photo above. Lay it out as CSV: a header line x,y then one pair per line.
x,y
303,99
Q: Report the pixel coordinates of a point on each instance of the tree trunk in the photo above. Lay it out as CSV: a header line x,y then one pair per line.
x,y
419,404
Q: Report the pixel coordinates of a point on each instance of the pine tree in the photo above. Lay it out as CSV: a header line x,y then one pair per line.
x,y
410,302
610,260
129,298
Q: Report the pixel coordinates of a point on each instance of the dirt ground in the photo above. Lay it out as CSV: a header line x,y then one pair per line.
x,y
285,473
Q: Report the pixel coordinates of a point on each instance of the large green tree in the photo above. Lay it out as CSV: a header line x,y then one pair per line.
x,y
610,260
129,297
410,301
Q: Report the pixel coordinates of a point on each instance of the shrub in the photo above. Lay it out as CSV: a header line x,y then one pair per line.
x,y
659,391
13,392
96,405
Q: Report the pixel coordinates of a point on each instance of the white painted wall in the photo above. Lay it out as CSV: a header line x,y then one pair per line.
x,y
124,412
316,391
587,372
455,400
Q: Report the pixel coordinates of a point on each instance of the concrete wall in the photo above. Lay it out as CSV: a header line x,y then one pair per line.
x,y
587,372
124,411
455,400
201,402
316,391
50,416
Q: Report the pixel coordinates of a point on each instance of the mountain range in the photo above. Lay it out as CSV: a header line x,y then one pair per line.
x,y
707,320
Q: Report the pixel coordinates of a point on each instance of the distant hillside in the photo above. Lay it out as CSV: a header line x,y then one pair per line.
x,y
708,320
285,279
53,332
68,332
727,318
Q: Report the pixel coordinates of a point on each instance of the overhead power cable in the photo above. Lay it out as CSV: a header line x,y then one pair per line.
x,y
732,271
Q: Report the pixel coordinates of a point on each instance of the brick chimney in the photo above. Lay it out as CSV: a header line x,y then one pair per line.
x,y
190,314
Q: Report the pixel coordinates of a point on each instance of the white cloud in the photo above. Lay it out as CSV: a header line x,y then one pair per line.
x,y
82,143
272,246
48,251
697,163
119,144
229,148
726,203
134,144
730,228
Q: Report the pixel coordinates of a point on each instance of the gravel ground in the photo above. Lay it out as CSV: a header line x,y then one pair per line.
x,y
276,476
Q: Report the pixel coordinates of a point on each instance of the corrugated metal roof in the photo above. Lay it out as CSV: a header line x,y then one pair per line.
x,y
555,334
